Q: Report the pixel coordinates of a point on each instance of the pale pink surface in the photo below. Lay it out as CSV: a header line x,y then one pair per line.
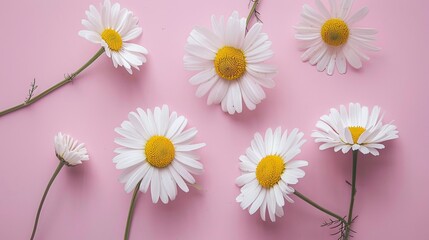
x,y
39,40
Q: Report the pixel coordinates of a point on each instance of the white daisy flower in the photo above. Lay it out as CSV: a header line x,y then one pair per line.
x,y
330,36
113,27
158,152
230,63
355,129
69,150
268,170
70,153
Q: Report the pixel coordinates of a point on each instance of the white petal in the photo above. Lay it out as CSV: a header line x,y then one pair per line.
x,y
200,52
263,207
175,128
205,87
184,136
324,61
202,76
357,16
341,62
146,179
132,47
258,201
245,178
178,179
196,64
345,8
155,186
189,147
250,197
271,203
188,161
323,9
136,177
236,96
168,184
134,33
251,35
128,159
352,57
331,65
218,92
183,173
206,38
268,141
278,195
232,31
129,143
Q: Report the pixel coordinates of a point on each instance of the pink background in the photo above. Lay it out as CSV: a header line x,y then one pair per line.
x,y
39,40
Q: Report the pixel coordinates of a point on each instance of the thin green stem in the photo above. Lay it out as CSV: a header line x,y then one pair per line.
x,y
252,12
312,203
66,80
60,166
353,193
131,211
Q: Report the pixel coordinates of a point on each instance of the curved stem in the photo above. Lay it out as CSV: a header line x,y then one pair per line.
x,y
66,80
312,203
252,11
60,166
352,198
131,211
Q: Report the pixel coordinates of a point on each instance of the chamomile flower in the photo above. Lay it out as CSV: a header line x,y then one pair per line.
x,y
69,150
356,129
112,27
156,151
70,153
330,37
231,63
268,169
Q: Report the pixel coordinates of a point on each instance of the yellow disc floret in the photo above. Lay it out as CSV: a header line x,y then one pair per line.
x,y
112,38
335,32
356,132
159,151
230,63
270,170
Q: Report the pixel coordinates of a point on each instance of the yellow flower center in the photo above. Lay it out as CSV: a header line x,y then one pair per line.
x,y
356,132
159,151
230,63
335,32
270,170
112,38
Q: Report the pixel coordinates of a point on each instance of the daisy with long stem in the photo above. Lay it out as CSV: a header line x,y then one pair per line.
x,y
230,61
69,153
112,28
268,171
156,151
356,130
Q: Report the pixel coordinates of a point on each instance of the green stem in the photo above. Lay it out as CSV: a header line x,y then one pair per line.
x,y
353,193
66,80
252,11
131,211
312,203
60,166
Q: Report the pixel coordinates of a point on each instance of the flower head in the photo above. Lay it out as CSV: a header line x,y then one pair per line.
x,y
230,63
113,27
158,152
268,169
355,129
69,150
330,37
